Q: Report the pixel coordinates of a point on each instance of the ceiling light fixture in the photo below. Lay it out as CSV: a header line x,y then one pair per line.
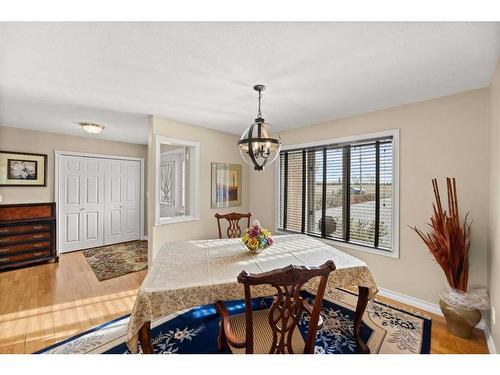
x,y
257,148
91,127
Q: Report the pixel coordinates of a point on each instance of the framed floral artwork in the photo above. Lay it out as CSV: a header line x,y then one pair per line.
x,y
226,185
22,169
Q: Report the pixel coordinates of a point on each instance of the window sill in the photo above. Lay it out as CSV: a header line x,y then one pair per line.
x,y
351,246
176,219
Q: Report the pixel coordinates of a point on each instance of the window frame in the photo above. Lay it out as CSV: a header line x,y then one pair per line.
x,y
394,133
194,180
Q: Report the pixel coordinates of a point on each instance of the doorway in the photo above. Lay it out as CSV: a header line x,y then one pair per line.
x,y
99,200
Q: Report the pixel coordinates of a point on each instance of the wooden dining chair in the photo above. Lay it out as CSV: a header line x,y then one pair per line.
x,y
233,230
273,330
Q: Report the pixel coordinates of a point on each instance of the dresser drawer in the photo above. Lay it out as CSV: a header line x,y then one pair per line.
x,y
28,211
19,229
5,259
12,249
32,237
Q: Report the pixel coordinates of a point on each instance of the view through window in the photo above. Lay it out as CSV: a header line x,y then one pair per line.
x,y
340,191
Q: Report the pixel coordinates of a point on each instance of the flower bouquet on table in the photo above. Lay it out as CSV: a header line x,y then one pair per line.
x,y
256,239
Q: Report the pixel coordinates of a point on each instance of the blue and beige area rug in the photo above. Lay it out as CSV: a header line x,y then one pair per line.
x,y
385,329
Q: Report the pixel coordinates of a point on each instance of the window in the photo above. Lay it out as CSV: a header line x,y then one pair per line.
x,y
176,180
344,190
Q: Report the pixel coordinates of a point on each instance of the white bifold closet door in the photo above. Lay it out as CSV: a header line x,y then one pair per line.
x,y
99,202
122,197
82,202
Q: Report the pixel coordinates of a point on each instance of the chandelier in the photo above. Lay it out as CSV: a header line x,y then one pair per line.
x,y
257,148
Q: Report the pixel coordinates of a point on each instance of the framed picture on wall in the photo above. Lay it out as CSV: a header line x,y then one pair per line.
x,y
22,169
226,185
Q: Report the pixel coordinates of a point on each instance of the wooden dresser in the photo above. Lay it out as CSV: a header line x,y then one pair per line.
x,y
27,234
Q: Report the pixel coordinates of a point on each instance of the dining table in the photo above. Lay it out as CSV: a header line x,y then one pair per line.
x,y
187,274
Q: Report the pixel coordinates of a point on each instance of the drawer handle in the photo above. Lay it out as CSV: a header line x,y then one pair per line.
x,y
38,236
5,250
38,227
38,253
4,260
4,230
38,244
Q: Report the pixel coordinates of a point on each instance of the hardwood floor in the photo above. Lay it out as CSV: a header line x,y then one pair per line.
x,y
443,342
44,304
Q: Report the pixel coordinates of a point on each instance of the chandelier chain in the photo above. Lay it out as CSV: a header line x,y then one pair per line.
x,y
259,114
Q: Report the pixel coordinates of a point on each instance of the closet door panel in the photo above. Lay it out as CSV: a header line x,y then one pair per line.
x,y
113,191
115,227
72,228
92,225
131,204
72,190
93,190
123,201
131,222
93,201
81,197
116,189
71,203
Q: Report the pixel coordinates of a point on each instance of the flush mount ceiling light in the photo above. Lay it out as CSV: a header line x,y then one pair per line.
x,y
91,128
257,148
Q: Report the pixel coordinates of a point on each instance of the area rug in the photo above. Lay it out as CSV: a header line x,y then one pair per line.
x,y
116,260
384,328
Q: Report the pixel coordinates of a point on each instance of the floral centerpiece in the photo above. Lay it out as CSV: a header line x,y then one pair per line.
x,y
256,239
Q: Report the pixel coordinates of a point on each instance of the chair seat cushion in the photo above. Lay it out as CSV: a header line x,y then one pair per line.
x,y
262,333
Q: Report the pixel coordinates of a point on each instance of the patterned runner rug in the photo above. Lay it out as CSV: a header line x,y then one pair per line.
x,y
116,260
386,330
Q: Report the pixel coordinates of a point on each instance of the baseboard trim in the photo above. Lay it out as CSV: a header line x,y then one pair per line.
x,y
145,238
434,309
412,301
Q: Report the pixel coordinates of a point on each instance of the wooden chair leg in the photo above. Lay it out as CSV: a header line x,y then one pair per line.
x,y
222,343
360,310
145,338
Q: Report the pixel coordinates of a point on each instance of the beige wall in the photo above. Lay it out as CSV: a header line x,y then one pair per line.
x,y
215,146
438,138
494,224
12,139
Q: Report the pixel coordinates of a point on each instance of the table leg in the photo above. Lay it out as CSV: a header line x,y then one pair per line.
x,y
145,338
360,310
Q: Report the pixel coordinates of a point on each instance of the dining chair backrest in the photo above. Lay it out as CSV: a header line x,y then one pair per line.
x,y
233,229
286,310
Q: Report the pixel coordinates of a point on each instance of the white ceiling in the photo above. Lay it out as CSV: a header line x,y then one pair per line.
x,y
55,74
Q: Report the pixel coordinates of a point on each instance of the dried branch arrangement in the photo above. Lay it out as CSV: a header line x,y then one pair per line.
x,y
449,239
